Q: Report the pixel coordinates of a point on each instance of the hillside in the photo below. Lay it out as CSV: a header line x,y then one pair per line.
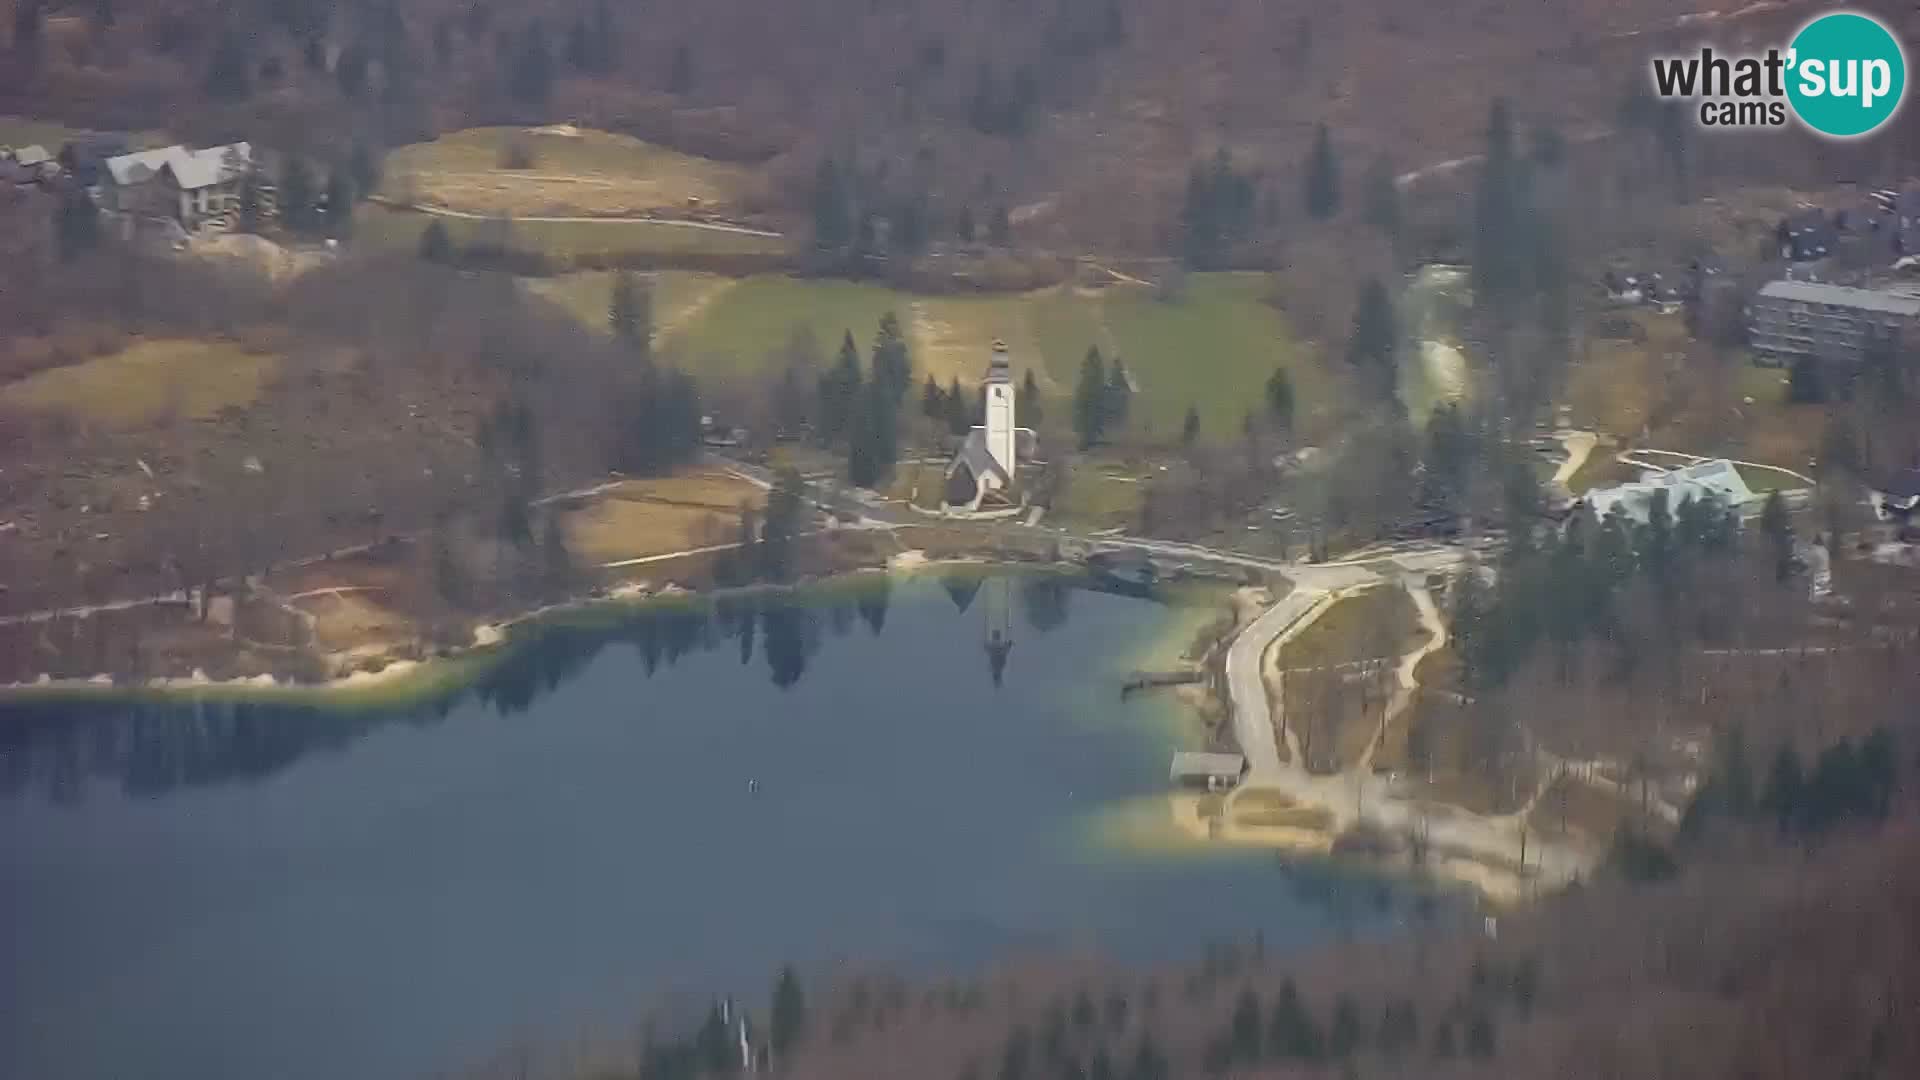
x,y
1080,117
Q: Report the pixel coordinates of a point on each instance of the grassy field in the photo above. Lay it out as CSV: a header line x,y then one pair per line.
x,y
740,331
1214,350
677,296
572,171
1379,622
385,227
189,378
1092,499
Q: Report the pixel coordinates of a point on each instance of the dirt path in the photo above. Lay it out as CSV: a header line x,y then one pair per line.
x,y
680,223
1579,446
684,317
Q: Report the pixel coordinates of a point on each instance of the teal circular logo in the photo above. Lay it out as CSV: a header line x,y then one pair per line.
x,y
1846,74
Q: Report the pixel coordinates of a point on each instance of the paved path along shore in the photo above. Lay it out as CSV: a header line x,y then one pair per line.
x,y
1357,794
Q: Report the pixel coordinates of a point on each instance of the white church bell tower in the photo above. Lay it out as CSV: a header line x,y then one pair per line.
x,y
1000,418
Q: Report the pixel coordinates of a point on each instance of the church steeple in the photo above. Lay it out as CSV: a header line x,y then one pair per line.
x,y
1000,421
996,620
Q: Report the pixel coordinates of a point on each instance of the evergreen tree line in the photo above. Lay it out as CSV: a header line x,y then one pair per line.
x,y
1848,783
714,1050
1003,106
1218,212
1081,28
310,206
960,411
593,43
862,410
850,210
1519,250
381,39
1102,398
1567,586
1290,1033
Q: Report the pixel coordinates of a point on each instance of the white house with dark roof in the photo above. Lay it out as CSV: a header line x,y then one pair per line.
x,y
1718,478
192,187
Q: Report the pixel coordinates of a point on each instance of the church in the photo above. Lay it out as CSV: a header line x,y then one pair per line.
x,y
984,472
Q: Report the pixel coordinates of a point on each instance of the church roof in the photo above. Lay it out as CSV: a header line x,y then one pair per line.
x,y
973,454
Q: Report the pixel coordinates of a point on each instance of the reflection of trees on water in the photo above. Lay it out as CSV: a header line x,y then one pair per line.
x,y
963,587
1043,599
55,749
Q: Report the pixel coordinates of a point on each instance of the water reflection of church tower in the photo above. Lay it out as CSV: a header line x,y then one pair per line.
x,y
996,619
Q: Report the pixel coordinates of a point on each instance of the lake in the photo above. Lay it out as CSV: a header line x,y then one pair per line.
x,y
671,799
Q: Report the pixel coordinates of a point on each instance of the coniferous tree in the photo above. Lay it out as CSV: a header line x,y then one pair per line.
x,y
1345,1034
296,195
435,245
959,418
1480,1035
892,363
786,508
1323,177
530,80
350,71
1031,407
832,207
1499,240
680,77
365,166
228,77
840,393
1804,384
789,1017
339,205
77,225
1090,399
250,213
933,400
873,442
630,313
29,22
1375,339
1786,785
1243,1037
1280,398
579,47
1292,1035
605,38
1000,227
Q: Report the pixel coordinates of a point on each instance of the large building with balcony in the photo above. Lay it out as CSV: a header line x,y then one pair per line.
x,y
1788,320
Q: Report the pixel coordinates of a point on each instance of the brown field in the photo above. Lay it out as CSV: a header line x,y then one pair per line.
x,y
150,380
574,171
657,516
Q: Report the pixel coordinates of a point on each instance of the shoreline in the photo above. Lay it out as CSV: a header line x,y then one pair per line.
x,y
403,681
